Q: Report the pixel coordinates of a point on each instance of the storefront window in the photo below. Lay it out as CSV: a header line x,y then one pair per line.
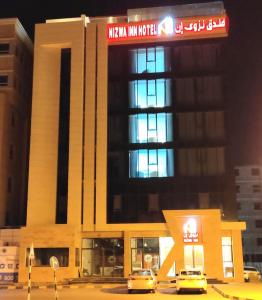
x,y
42,256
194,256
145,253
227,254
102,257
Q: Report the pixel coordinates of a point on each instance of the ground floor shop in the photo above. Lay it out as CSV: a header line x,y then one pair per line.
x,y
188,239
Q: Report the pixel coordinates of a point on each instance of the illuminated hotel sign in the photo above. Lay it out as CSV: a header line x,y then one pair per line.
x,y
191,231
169,27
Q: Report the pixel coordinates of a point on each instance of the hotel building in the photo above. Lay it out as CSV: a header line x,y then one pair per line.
x,y
129,164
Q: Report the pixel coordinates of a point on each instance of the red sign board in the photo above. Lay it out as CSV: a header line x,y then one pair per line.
x,y
169,27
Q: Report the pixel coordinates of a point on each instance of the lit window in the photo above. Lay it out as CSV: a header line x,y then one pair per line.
x,y
149,60
150,128
227,255
150,93
146,163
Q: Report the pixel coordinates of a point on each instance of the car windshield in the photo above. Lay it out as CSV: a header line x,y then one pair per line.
x,y
250,269
141,273
190,273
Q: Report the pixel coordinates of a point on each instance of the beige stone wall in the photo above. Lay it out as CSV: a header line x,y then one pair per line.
x,y
49,236
50,38
101,147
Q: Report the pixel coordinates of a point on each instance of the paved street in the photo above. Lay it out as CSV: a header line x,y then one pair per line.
x,y
105,293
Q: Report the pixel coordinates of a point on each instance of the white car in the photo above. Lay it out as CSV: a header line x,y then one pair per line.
x,y
251,274
143,279
191,280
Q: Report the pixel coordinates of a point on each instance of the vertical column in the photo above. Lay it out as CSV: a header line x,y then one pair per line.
x,y
41,208
101,123
90,118
237,255
127,254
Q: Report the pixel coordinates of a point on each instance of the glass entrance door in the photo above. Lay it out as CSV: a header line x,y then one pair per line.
x,y
194,256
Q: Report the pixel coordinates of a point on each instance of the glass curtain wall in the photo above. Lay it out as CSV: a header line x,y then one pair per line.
x,y
150,119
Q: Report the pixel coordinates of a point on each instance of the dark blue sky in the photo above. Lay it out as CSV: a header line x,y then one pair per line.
x,y
244,58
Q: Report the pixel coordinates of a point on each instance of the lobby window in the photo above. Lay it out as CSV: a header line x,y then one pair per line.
x,y
150,128
256,188
144,163
4,48
145,253
258,223
42,256
258,206
149,60
227,255
150,93
255,172
3,80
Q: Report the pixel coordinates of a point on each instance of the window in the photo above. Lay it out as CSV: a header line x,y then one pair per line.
x,y
146,163
4,48
3,80
150,93
238,205
255,172
236,172
259,241
42,256
258,223
237,188
11,152
227,255
145,253
201,161
256,188
117,203
258,206
150,128
153,202
149,60
9,185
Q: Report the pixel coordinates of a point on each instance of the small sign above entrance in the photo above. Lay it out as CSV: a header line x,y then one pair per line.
x,y
191,230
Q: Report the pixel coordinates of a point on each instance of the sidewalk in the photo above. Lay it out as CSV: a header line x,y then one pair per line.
x,y
240,291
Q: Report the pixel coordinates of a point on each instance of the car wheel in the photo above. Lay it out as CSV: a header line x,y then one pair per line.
x,y
129,291
153,291
204,291
178,292
246,279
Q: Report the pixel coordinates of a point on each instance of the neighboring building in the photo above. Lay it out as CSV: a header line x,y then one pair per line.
x,y
249,200
128,158
16,57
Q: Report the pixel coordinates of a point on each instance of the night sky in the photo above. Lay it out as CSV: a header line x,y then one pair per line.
x,y
244,57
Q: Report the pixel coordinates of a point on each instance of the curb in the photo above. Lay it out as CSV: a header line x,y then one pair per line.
x,y
60,287
72,286
229,296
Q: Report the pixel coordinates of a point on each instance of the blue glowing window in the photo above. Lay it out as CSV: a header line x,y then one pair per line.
x,y
150,93
146,163
149,60
150,128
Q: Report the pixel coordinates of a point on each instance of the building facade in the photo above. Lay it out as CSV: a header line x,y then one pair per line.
x,y
128,159
16,57
249,200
